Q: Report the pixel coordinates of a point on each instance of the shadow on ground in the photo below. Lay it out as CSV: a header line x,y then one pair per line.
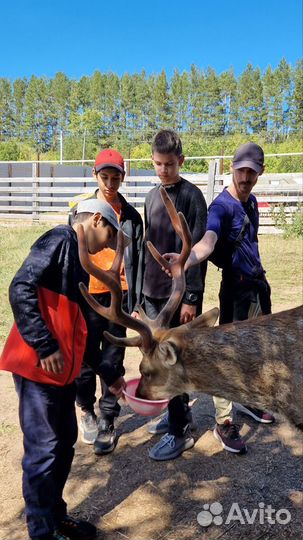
x,y
129,496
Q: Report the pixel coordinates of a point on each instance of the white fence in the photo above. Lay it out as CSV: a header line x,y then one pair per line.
x,y
41,196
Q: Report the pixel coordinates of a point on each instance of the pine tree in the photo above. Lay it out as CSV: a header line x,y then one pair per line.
x,y
252,113
37,114
18,97
228,85
213,105
297,99
6,110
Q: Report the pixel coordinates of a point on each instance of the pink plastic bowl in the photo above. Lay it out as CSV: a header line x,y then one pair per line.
x,y
145,407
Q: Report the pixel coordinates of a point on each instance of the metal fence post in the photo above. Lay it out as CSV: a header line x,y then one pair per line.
x,y
211,181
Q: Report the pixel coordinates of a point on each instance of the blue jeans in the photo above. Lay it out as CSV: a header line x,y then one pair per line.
x,y
48,422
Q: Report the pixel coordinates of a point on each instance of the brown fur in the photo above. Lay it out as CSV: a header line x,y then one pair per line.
x,y
257,362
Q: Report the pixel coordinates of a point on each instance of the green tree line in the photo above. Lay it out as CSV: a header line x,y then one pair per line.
x,y
210,110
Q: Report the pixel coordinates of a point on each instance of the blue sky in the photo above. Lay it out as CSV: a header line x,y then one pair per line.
x,y
78,37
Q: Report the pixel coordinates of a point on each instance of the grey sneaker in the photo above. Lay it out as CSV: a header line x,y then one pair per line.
x,y
106,439
170,446
159,426
88,428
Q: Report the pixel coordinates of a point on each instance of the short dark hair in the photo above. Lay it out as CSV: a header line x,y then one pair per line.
x,y
167,141
83,216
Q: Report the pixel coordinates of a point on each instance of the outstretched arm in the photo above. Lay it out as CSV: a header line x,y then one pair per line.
x,y
202,249
199,252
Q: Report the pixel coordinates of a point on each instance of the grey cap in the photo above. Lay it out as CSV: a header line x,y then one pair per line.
x,y
93,206
249,155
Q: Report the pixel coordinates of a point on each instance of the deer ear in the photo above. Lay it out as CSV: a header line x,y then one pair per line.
x,y
168,354
207,319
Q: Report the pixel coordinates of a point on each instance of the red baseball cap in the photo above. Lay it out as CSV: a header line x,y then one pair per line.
x,y
109,158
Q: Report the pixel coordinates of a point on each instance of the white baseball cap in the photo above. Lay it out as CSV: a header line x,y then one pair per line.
x,y
94,206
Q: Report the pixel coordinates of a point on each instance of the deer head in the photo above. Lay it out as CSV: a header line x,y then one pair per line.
x,y
161,346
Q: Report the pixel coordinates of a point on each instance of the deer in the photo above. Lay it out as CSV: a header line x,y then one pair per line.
x,y
257,362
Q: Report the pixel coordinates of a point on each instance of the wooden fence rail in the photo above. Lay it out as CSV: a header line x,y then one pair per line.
x,y
36,198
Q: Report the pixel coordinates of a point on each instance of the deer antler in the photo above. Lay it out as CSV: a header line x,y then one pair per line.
x,y
111,279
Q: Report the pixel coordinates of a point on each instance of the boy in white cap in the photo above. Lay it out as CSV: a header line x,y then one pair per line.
x,y
44,352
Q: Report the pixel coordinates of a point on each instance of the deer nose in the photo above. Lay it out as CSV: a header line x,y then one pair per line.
x,y
138,393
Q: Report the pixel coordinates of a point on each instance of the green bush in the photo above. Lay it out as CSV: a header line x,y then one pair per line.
x,y
294,227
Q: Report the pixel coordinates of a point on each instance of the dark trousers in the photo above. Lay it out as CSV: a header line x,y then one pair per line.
x,y
101,355
238,293
48,422
179,414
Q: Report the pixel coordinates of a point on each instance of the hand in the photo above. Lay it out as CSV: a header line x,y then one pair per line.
x,y
117,387
136,315
188,313
54,362
171,258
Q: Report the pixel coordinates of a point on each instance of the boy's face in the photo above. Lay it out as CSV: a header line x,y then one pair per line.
x,y
167,167
99,235
109,180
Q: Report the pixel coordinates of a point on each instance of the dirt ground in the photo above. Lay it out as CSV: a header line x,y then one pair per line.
x,y
129,496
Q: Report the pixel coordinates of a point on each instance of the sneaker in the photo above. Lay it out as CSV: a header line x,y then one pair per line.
x,y
88,428
58,536
170,446
75,529
106,439
162,425
159,426
229,436
54,536
257,414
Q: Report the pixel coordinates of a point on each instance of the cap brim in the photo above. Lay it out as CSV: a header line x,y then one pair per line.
x,y
99,168
250,164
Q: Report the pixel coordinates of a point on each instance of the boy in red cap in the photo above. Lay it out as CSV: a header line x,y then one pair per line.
x,y
109,172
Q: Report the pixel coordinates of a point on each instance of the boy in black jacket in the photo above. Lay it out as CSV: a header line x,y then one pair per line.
x,y
44,352
109,172
168,158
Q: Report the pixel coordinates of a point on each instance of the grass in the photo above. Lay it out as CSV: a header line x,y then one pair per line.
x,y
7,429
282,259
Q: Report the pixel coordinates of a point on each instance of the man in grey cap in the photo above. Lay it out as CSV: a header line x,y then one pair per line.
x,y
231,243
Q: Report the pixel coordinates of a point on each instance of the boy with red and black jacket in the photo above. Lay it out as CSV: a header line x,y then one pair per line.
x,y
44,352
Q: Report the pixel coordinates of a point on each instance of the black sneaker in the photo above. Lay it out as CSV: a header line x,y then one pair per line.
x,y
53,536
263,417
106,439
75,529
229,436
58,536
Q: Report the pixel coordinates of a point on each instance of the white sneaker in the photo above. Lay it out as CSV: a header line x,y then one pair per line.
x,y
88,428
